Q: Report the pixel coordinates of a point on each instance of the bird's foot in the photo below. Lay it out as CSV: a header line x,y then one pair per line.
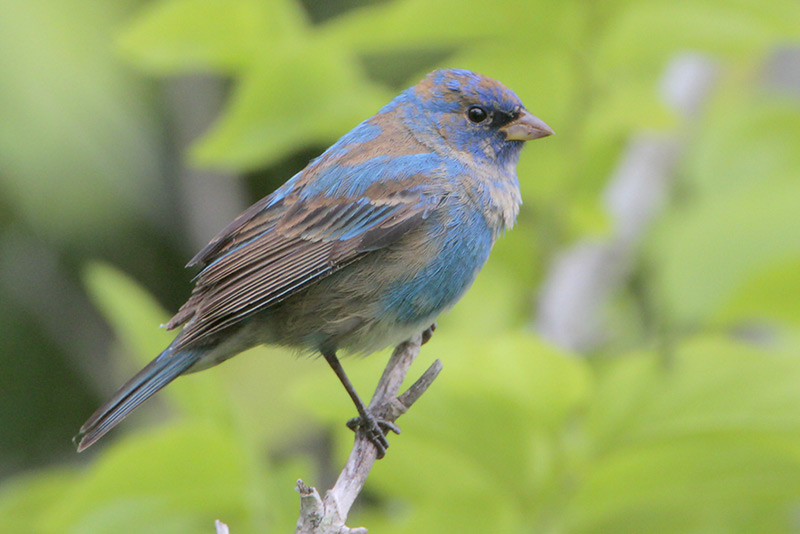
x,y
428,333
375,430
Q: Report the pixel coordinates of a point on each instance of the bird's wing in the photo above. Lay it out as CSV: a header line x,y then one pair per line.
x,y
286,242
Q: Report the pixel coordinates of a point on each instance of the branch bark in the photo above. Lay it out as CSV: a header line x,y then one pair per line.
x,y
328,515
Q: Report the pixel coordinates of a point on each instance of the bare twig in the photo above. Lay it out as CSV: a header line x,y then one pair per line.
x,y
328,516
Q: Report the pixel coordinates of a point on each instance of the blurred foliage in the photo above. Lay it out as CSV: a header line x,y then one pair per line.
x,y
256,43
688,421
63,168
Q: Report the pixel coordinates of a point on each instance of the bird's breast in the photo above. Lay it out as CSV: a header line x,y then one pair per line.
x,y
446,256
493,194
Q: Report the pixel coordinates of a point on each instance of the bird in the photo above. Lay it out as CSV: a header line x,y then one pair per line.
x,y
359,251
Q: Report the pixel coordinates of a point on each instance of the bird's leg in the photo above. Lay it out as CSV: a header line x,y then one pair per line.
x,y
427,334
373,427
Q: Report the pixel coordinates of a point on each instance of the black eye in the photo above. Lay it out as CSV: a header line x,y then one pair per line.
x,y
477,114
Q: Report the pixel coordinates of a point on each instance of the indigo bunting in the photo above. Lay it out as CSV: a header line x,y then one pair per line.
x,y
360,250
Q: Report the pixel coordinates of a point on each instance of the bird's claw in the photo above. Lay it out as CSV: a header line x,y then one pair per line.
x,y
375,430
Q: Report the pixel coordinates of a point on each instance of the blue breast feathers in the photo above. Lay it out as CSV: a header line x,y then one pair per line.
x,y
465,243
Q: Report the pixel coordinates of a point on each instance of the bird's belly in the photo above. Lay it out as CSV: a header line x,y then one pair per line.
x,y
388,295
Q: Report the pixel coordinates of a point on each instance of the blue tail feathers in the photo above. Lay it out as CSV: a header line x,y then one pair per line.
x,y
147,382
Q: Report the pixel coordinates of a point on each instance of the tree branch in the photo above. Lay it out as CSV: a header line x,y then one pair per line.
x,y
328,516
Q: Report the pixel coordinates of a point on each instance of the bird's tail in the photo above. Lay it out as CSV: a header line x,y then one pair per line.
x,y
147,382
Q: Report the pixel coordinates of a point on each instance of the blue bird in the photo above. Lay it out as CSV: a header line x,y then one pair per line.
x,y
360,250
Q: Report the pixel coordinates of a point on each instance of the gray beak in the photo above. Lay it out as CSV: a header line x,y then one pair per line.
x,y
526,127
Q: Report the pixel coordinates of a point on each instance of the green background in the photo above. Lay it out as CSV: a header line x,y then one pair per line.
x,y
130,132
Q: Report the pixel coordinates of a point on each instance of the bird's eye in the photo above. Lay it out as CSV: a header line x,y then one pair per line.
x,y
477,114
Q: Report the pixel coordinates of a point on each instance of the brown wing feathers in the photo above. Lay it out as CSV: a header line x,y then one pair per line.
x,y
270,253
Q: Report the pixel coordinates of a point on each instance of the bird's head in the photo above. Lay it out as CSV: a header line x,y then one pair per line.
x,y
472,114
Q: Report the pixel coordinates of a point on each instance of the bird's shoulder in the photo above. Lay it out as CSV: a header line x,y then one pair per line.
x,y
378,166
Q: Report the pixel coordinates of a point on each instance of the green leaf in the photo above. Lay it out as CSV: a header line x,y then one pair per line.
x,y
176,479
515,435
133,315
746,140
410,23
80,148
293,86
178,35
306,95
733,28
23,499
487,437
769,296
707,252
707,442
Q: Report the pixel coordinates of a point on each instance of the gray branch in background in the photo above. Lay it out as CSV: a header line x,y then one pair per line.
x,y
582,279
209,199
782,72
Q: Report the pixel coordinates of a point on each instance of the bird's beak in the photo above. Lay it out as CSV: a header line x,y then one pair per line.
x,y
526,127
